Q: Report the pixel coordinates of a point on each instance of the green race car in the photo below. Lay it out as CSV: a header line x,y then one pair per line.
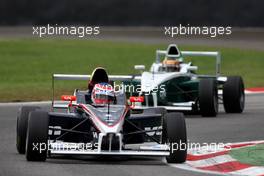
x,y
174,85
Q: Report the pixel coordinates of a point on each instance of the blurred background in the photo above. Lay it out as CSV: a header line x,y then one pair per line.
x,y
236,13
130,32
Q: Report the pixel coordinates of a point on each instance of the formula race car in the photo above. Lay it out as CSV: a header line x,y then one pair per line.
x,y
174,85
97,122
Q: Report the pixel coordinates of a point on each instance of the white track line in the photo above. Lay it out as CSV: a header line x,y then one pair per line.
x,y
193,165
211,161
249,171
189,168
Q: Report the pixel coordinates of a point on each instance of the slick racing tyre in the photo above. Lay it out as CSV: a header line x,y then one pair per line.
x,y
21,129
37,136
208,97
174,129
234,95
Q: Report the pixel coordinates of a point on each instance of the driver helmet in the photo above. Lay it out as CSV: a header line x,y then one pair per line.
x,y
171,64
102,93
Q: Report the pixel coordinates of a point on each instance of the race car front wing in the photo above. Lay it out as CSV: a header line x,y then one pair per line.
x,y
110,153
143,150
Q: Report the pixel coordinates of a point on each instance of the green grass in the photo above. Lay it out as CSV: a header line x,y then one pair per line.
x,y
26,65
250,155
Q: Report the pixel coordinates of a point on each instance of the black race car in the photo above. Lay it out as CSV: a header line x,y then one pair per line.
x,y
81,127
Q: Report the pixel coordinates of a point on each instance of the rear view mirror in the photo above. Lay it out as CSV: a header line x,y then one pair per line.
x,y
68,98
139,67
136,99
192,68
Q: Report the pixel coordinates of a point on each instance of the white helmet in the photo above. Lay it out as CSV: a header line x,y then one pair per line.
x,y
102,93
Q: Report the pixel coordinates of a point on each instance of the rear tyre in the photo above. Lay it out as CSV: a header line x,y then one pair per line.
x,y
174,129
37,136
21,129
208,98
234,95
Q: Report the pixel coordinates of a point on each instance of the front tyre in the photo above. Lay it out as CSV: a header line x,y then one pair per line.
x,y
37,136
21,129
234,95
174,128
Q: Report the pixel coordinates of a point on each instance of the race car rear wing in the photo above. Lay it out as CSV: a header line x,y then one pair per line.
x,y
216,54
86,78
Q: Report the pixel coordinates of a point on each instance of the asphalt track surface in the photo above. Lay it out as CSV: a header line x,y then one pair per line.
x,y
225,128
